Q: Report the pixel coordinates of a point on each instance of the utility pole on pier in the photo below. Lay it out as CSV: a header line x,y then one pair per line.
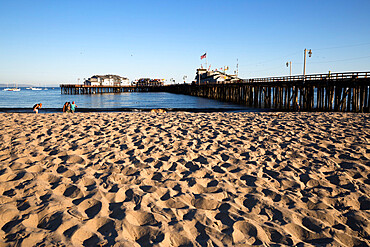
x,y
289,64
304,62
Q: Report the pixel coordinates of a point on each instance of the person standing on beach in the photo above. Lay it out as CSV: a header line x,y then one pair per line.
x,y
73,107
37,107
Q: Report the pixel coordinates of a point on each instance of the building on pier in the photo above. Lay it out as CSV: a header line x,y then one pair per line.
x,y
205,76
147,82
107,80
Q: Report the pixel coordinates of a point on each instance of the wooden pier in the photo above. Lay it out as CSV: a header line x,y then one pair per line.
x,y
346,92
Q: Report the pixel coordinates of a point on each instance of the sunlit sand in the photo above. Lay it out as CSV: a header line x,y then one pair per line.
x,y
184,179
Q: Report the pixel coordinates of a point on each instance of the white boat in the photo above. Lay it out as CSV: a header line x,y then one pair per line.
x,y
15,89
36,88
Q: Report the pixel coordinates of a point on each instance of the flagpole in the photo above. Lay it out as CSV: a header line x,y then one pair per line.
x,y
206,62
199,76
237,67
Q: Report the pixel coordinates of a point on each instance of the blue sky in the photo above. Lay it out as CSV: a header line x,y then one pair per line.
x,y
51,42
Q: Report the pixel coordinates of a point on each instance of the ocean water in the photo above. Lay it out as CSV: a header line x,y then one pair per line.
x,y
52,101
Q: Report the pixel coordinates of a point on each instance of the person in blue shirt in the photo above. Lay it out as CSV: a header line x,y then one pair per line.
x,y
73,106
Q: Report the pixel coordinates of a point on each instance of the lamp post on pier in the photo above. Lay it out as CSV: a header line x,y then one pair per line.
x,y
289,64
304,62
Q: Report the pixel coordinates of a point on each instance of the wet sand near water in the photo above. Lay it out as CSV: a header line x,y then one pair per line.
x,y
184,179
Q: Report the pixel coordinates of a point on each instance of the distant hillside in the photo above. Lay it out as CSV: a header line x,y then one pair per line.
x,y
25,85
18,85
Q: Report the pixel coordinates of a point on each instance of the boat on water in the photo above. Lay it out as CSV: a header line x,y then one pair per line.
x,y
36,88
15,89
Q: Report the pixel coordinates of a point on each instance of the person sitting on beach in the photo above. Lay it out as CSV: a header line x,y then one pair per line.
x,y
37,107
73,107
65,107
69,107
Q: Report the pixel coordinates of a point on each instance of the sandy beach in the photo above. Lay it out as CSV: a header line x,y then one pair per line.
x,y
184,179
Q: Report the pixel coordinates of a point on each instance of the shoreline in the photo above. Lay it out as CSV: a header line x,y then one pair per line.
x,y
132,110
169,110
182,178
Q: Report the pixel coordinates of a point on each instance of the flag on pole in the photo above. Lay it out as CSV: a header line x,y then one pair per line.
x,y
203,56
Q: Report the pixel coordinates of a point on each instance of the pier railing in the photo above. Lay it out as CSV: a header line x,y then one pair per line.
x,y
313,77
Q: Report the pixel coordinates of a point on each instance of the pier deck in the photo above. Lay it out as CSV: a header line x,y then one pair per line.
x,y
83,89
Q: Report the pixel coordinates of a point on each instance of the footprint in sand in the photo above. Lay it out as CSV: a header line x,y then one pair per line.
x,y
203,203
9,193
87,182
84,237
70,231
117,211
248,233
143,235
175,203
148,188
51,221
72,191
72,159
141,218
108,230
276,236
251,201
91,207
7,214
53,180
22,205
